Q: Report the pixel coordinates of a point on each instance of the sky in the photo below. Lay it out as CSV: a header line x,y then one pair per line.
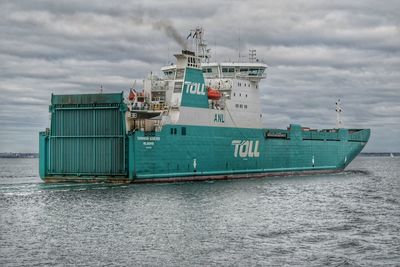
x,y
317,52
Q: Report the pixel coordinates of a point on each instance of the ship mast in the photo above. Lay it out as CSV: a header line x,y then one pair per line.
x,y
200,46
252,55
338,110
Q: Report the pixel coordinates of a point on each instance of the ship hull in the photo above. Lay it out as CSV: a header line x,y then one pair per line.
x,y
215,152
193,153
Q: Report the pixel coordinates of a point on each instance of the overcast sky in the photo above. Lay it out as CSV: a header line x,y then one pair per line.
x,y
317,51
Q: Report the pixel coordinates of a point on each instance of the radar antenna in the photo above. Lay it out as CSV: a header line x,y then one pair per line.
x,y
338,110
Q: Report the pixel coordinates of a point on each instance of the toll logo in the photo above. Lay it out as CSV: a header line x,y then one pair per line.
x,y
195,88
245,148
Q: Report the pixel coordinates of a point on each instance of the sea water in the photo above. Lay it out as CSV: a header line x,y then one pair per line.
x,y
350,218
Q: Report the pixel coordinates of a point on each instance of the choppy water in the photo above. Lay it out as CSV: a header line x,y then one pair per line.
x,y
351,218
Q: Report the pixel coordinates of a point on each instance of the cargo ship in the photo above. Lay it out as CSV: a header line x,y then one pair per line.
x,y
199,121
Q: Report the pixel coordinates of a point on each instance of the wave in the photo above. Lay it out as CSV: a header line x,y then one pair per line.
x,y
363,172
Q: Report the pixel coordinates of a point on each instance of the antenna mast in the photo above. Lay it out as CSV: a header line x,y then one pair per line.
x,y
200,46
239,59
338,110
252,55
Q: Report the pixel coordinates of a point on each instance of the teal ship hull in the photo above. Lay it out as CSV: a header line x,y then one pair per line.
x,y
214,154
88,142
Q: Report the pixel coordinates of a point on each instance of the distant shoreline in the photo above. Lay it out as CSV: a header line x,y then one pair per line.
x,y
11,155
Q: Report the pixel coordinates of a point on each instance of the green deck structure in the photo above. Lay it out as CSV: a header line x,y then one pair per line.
x,y
86,138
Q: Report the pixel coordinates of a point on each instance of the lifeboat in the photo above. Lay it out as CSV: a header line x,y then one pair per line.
x,y
213,94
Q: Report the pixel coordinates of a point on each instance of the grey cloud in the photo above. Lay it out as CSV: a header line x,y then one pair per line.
x,y
316,52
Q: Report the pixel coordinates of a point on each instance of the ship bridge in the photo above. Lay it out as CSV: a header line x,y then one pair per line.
x,y
235,70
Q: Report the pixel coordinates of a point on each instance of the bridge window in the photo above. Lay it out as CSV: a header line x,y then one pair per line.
x,y
228,69
253,72
183,130
256,72
169,74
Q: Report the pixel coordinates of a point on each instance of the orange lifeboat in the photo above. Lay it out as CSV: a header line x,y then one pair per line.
x,y
213,94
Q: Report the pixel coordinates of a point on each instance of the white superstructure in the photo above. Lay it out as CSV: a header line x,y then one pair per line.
x,y
237,82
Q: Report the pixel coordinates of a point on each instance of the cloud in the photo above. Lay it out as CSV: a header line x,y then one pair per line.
x,y
316,52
